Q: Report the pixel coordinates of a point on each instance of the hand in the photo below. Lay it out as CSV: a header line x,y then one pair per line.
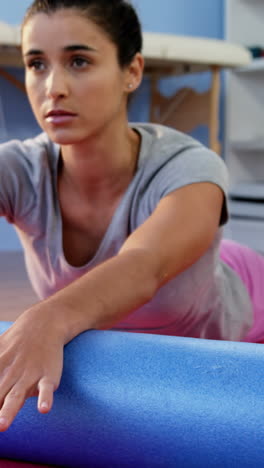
x,y
31,360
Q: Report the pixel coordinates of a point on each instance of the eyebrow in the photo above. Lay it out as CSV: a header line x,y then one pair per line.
x,y
70,48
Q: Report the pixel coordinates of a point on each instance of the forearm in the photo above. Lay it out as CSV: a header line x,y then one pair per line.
x,y
105,295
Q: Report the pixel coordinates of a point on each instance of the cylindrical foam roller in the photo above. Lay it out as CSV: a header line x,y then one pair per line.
x,y
141,400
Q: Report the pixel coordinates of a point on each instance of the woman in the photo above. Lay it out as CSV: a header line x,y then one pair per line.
x,y
121,224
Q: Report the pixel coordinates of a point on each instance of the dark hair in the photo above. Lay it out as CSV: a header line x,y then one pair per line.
x,y
117,18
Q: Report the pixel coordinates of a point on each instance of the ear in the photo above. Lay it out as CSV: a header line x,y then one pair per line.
x,y
134,73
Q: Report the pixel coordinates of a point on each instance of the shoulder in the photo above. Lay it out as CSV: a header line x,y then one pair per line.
x,y
25,168
164,141
179,156
28,154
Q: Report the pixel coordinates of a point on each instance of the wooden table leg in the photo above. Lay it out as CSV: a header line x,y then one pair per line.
x,y
214,111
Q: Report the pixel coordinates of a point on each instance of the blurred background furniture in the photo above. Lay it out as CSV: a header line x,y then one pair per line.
x,y
165,55
244,128
172,55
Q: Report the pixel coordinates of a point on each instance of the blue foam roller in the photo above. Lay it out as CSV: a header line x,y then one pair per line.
x,y
138,400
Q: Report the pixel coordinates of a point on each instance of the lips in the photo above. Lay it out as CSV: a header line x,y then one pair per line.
x,y
59,113
60,117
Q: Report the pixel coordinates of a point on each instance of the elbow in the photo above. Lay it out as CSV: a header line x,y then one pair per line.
x,y
147,275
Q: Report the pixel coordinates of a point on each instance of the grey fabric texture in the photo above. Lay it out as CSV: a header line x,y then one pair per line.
x,y
208,300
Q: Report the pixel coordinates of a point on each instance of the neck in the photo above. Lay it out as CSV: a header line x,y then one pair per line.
x,y
100,168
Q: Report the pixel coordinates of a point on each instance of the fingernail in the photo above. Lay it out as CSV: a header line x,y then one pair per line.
x,y
3,422
44,405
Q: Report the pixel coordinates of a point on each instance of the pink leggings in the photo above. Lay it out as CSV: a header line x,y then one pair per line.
x,y
249,265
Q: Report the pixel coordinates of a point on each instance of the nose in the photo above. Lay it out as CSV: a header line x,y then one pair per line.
x,y
56,84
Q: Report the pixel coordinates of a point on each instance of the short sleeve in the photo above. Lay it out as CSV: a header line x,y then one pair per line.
x,y
192,165
16,190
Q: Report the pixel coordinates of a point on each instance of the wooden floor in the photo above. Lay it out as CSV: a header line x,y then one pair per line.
x,y
16,293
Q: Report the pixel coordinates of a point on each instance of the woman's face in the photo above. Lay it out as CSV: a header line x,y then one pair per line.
x,y
75,85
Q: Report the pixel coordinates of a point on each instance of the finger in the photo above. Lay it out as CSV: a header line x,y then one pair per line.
x,y
45,398
13,402
8,379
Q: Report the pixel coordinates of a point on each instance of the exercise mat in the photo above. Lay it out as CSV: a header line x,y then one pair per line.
x,y
128,400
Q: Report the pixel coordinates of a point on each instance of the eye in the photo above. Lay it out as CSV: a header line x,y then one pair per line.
x,y
79,62
36,64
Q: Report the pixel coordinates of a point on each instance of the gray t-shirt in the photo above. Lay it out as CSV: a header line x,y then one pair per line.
x,y
207,300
